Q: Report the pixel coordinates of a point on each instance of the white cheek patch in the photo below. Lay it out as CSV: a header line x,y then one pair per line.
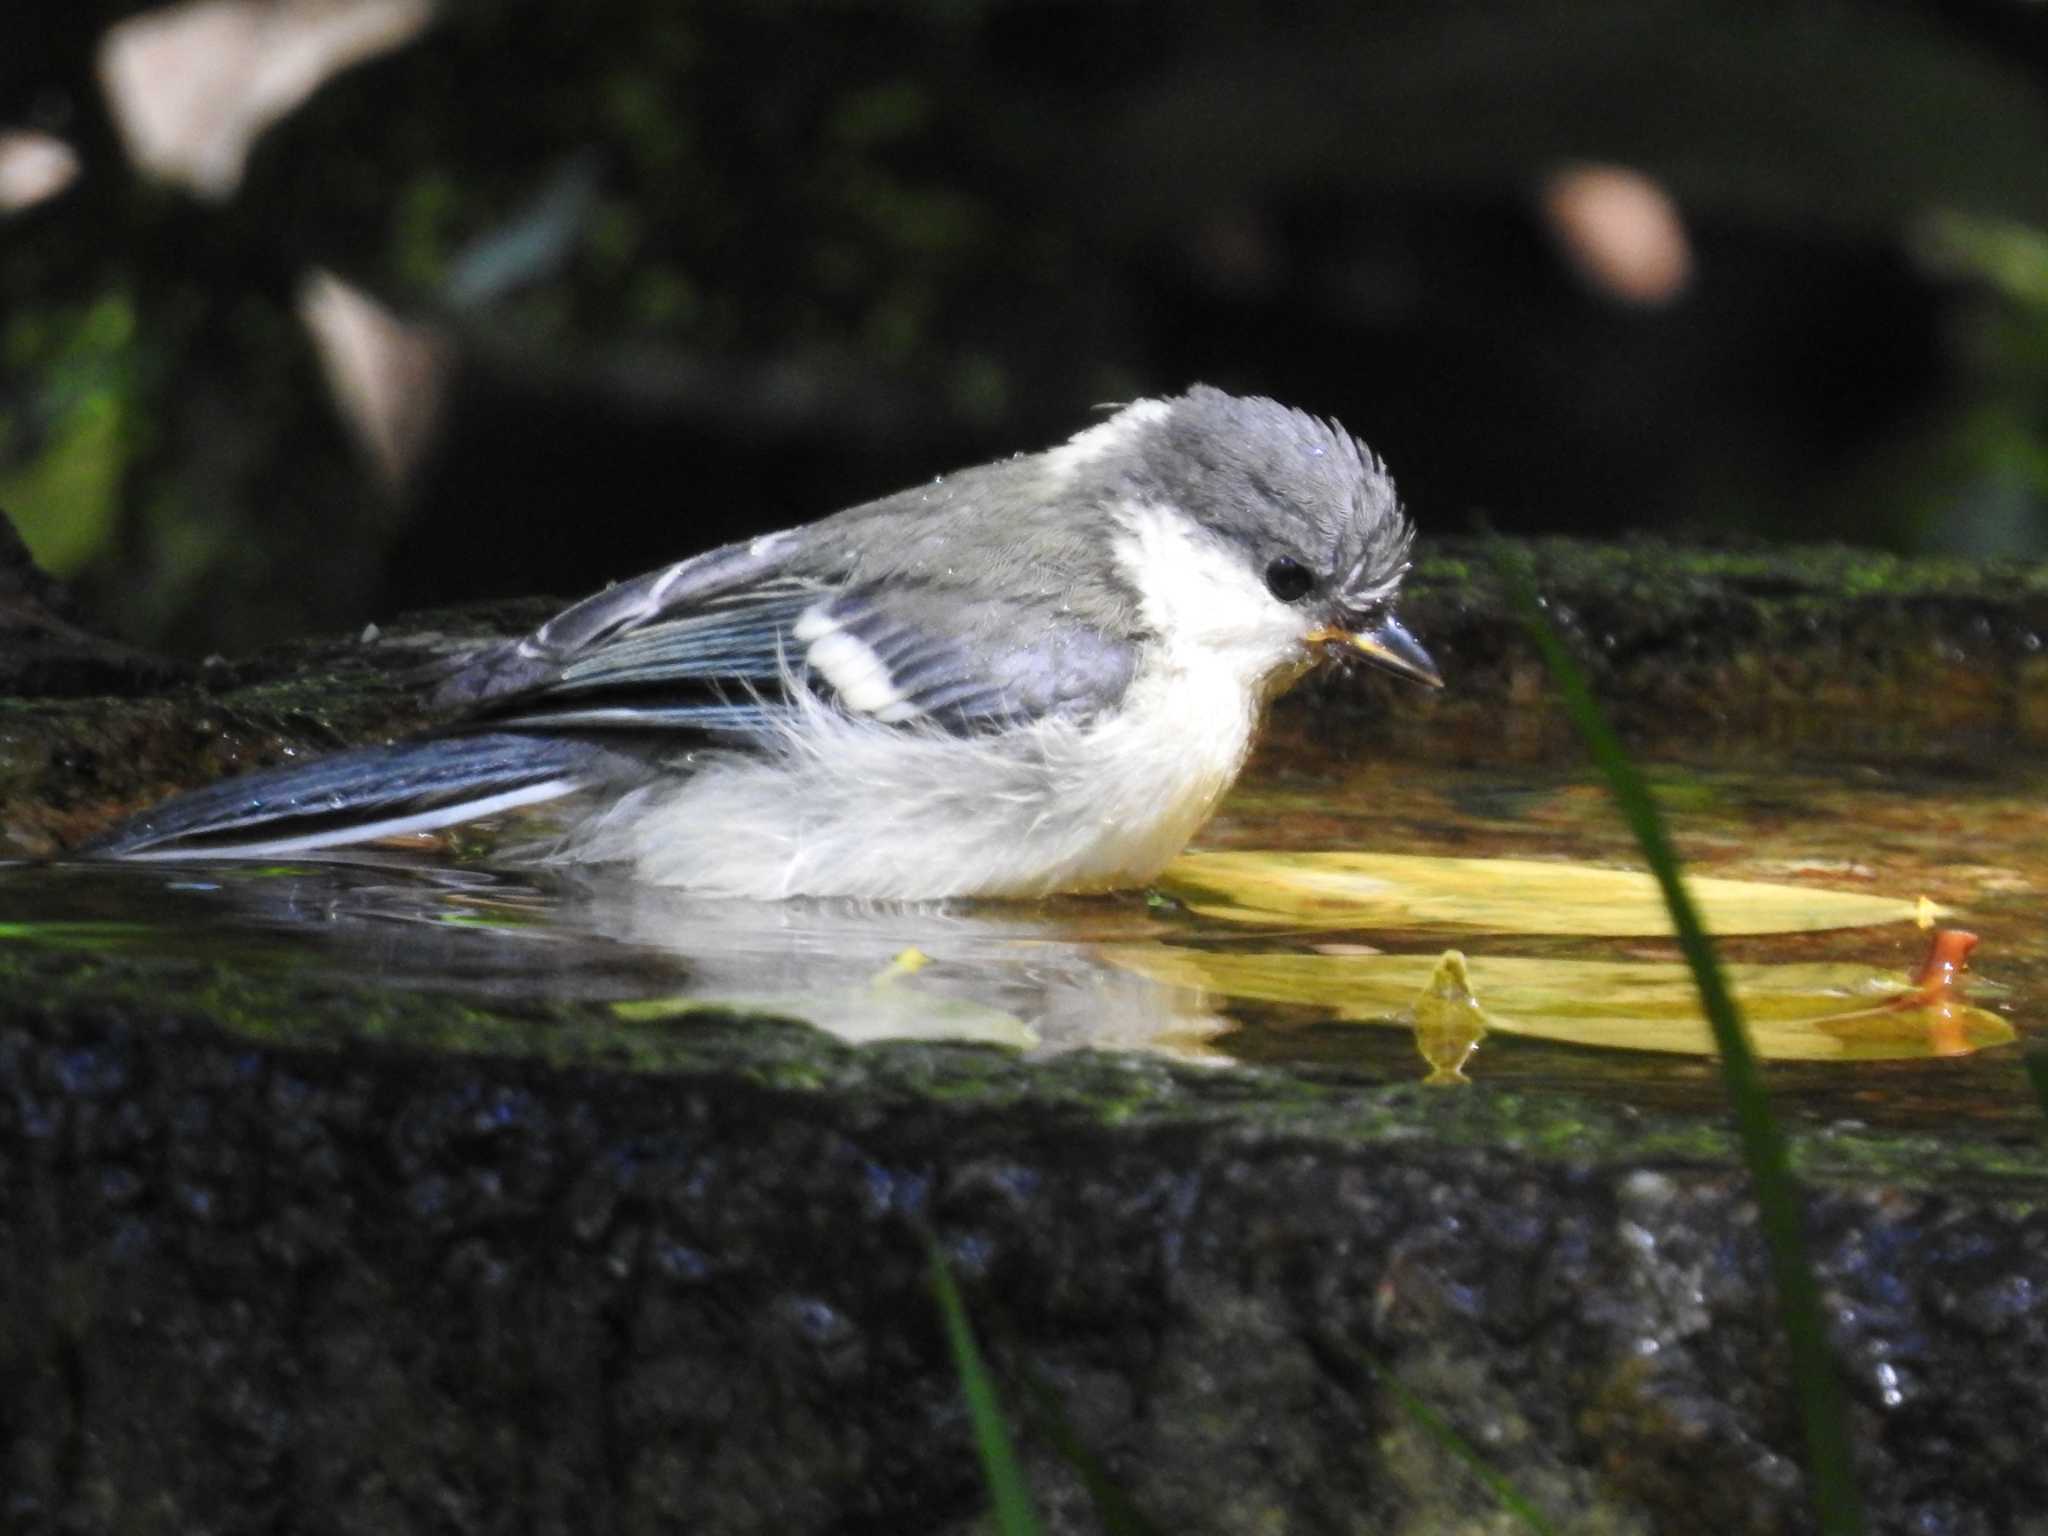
x,y
1205,601
850,668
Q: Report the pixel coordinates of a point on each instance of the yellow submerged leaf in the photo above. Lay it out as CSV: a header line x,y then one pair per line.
x,y
1398,890
1817,1012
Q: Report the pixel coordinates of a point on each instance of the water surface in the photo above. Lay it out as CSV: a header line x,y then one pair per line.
x,y
1058,975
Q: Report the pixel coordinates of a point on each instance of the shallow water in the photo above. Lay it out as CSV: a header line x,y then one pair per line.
x,y
1059,975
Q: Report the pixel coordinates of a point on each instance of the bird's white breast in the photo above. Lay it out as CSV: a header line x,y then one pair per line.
x,y
851,806
1224,646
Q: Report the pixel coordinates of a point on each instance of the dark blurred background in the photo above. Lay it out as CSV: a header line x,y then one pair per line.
x,y
315,310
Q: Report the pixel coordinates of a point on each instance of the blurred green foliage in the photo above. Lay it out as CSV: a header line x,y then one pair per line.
x,y
714,267
1986,483
67,447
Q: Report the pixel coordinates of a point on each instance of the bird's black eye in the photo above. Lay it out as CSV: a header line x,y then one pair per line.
x,y
1288,579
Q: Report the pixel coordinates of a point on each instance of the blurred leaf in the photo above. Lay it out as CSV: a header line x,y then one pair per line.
x,y
65,497
33,168
1386,890
64,501
193,86
532,245
1978,470
2011,257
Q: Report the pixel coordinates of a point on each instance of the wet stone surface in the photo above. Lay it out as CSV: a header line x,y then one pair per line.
x,y
360,1287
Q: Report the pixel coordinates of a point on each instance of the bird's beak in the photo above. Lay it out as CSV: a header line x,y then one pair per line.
x,y
1387,646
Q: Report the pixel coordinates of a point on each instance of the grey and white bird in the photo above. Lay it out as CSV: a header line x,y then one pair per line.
x,y
1031,676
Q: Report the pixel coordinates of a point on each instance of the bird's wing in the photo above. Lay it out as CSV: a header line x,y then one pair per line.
x,y
723,650
507,670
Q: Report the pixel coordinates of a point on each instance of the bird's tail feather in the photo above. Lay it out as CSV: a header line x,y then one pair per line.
x,y
355,796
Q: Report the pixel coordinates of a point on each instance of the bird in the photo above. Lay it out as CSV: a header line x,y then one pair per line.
x,y
1034,676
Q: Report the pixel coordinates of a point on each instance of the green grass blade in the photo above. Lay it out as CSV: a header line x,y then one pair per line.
x,y
1119,1516
1441,1430
1837,1505
1007,1493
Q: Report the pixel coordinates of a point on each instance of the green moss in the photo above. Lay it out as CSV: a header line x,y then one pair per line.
x,y
1137,1095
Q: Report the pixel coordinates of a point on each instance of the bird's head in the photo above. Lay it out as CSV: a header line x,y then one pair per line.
x,y
1311,537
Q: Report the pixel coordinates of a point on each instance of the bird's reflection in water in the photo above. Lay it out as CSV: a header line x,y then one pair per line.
x,y
1028,976
1023,975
